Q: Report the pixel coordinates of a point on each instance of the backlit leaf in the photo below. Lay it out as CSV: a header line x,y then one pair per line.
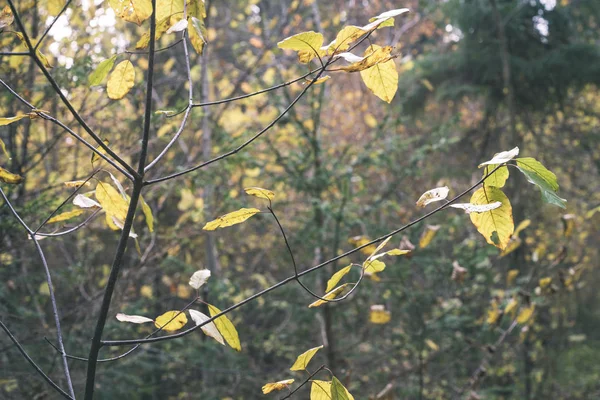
x,y
9,177
332,294
112,202
209,329
382,78
134,319
272,386
179,26
379,55
303,359
10,120
498,178
501,158
320,390
260,193
308,43
497,225
65,216
428,235
230,219
199,278
373,266
379,315
335,278
430,196
379,247
136,11
120,80
338,391
543,178
85,202
169,8
226,328
101,71
171,321
197,34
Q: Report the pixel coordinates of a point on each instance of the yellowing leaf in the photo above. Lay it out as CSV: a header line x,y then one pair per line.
x,y
338,391
120,80
197,34
308,42
303,359
171,321
112,202
382,78
65,216
320,390
232,218
226,328
501,158
511,276
432,345
6,17
101,71
134,319
10,120
379,55
272,386
199,278
148,214
209,329
260,193
328,296
335,278
498,178
428,235
430,196
525,314
136,11
9,177
379,315
497,225
373,266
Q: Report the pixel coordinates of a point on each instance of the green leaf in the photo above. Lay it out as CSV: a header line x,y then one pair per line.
x,y
338,391
543,178
304,358
101,71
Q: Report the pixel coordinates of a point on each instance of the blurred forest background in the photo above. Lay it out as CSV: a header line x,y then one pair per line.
x,y
476,77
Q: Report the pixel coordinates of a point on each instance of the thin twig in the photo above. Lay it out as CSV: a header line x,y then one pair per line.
x,y
51,25
290,394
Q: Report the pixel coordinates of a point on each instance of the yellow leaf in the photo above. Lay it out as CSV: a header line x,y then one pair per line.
x,y
498,178
328,296
497,225
10,120
545,282
55,6
373,266
511,306
101,71
112,202
379,315
271,386
171,321
226,328
345,37
197,8
6,17
120,80
361,240
525,314
335,278
65,216
232,218
197,33
136,11
379,247
493,314
308,44
321,79
260,193
38,53
511,276
320,390
3,146
146,291
428,235
168,8
148,214
382,78
76,184
378,56
303,359
9,177
432,345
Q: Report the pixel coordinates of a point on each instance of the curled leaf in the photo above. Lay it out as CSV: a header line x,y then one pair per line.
x,y
501,158
272,386
260,193
209,329
134,319
430,196
332,294
199,278
85,202
477,208
9,177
